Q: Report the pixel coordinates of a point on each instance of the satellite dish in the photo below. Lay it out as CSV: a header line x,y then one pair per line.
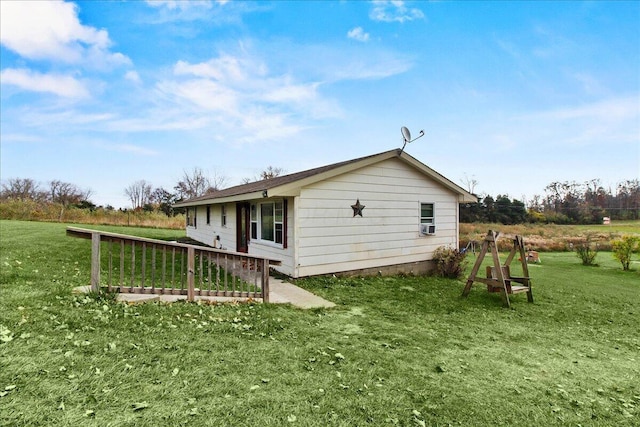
x,y
405,134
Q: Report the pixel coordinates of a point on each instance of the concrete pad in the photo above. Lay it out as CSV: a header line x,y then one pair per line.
x,y
280,293
137,298
286,293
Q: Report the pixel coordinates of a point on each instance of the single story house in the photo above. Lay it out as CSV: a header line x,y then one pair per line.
x,y
386,213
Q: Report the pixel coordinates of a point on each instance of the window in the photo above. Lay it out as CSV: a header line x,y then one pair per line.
x,y
254,222
191,217
426,213
268,222
223,215
278,222
208,215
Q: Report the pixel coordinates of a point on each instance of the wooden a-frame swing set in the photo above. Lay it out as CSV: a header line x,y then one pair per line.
x,y
499,277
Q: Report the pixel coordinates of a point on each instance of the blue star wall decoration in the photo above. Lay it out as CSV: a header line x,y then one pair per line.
x,y
357,208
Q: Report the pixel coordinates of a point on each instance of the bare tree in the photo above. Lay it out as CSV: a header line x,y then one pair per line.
x,y
195,183
269,173
22,189
66,193
470,183
218,182
139,193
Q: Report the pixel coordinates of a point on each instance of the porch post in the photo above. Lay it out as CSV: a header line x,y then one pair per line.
x,y
265,280
191,263
95,262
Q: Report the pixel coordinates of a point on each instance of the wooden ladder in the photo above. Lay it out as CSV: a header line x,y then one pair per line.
x,y
499,277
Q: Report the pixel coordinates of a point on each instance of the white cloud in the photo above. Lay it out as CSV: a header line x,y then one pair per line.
x,y
608,110
61,85
225,68
51,30
263,126
233,83
589,83
358,34
167,120
385,65
394,11
611,122
20,137
182,4
207,94
194,10
284,92
239,94
132,76
130,148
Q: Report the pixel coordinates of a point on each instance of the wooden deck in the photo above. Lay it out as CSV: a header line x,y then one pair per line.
x,y
136,265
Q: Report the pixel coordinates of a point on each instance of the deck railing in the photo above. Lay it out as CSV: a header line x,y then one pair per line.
x,y
130,264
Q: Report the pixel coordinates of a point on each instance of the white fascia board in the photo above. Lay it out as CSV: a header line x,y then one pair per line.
x,y
221,200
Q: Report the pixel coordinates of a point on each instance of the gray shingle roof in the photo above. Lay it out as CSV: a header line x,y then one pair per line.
x,y
279,181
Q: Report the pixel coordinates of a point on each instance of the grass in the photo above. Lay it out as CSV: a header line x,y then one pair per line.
x,y
402,351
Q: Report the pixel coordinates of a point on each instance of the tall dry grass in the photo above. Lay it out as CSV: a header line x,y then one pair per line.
x,y
550,237
51,212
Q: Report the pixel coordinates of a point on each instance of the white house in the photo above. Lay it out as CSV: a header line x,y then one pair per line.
x,y
386,212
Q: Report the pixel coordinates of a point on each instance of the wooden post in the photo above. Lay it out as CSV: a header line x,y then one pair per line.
x,y
191,264
95,262
265,280
500,275
491,237
525,267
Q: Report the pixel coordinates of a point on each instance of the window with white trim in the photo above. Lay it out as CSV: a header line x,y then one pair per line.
x,y
426,213
254,222
191,217
223,215
267,221
208,214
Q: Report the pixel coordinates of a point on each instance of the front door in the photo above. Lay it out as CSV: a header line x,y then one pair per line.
x,y
242,227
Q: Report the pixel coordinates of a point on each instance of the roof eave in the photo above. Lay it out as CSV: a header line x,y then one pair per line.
x,y
216,201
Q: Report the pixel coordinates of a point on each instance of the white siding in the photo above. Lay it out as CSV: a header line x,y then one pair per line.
x,y
324,237
331,240
207,233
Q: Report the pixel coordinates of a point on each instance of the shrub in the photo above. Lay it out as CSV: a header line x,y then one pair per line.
x,y
623,248
587,251
449,262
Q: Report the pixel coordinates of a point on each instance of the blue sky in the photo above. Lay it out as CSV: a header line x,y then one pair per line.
x,y
514,95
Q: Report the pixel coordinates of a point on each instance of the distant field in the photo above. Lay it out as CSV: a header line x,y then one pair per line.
x,y
551,237
396,351
50,212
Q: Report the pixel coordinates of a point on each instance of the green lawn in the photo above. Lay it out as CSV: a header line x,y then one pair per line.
x,y
405,351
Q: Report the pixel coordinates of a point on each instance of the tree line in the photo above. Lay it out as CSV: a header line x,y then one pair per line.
x,y
562,203
65,194
141,193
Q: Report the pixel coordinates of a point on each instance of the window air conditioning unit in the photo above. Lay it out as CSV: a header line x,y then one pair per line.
x,y
428,229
